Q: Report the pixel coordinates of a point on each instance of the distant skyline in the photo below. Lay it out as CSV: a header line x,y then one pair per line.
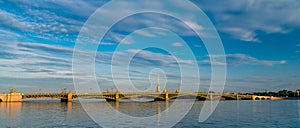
x,y
261,40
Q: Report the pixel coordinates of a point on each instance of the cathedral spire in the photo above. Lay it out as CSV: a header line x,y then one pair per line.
x,y
158,84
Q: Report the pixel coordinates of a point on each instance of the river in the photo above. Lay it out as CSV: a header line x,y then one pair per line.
x,y
52,113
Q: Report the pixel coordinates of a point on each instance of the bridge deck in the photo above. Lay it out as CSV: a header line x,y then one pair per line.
x,y
123,95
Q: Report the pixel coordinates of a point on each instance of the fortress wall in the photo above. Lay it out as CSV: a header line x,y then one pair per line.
x,y
12,97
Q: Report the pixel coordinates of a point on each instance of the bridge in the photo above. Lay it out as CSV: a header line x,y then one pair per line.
x,y
266,98
65,96
116,96
13,96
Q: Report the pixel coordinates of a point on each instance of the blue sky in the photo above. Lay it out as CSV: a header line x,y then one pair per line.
x,y
261,40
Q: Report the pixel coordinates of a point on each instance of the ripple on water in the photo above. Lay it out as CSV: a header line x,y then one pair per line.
x,y
228,114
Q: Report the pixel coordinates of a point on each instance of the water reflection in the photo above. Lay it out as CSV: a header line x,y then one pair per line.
x,y
139,109
167,106
158,108
12,110
117,106
158,113
55,114
69,109
299,111
237,110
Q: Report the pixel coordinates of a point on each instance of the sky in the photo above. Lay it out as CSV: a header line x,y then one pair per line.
x,y
260,39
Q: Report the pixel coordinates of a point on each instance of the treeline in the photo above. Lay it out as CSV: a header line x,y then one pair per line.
x,y
282,93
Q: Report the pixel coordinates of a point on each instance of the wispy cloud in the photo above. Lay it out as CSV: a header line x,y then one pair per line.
x,y
37,39
144,58
240,59
194,25
240,33
34,60
40,18
45,48
177,44
107,43
243,19
11,20
155,20
145,33
37,60
118,38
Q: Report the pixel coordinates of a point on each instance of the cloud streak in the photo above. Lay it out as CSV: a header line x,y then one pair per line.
x,y
37,39
240,59
55,61
243,19
177,44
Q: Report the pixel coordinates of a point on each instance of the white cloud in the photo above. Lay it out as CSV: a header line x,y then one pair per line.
x,y
148,58
240,33
11,20
36,60
144,33
107,43
42,22
243,19
298,45
194,25
152,20
241,59
33,60
119,38
177,44
212,62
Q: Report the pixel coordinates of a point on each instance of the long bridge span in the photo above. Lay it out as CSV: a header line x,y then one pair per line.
x,y
65,96
116,96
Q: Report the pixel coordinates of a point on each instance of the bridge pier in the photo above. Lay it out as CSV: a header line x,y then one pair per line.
x,y
117,96
163,96
114,98
67,98
237,96
210,96
166,96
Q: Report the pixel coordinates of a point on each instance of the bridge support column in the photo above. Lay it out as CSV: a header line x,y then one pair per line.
x,y
210,96
68,98
166,93
167,96
117,96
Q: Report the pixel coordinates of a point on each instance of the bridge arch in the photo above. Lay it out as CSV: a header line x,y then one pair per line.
x,y
139,96
187,96
1,100
265,98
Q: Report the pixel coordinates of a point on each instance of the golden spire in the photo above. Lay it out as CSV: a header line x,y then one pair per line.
x,y
158,84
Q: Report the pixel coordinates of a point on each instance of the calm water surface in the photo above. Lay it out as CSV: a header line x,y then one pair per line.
x,y
266,114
